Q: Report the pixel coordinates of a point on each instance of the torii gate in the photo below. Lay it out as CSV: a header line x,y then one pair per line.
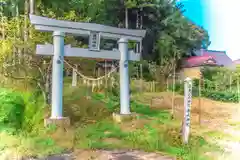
x,y
95,33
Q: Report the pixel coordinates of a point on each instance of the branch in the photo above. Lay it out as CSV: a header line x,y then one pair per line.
x,y
17,78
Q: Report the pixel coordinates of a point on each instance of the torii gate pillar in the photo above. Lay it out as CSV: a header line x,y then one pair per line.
x,y
57,75
124,77
57,83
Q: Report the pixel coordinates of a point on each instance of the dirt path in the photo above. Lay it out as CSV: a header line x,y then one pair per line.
x,y
119,155
108,155
215,116
232,146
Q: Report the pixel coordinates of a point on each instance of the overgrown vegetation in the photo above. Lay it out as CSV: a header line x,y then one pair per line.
x,y
21,122
218,83
151,130
11,109
151,134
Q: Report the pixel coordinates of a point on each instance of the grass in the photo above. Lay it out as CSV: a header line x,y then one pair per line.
x,y
93,128
29,145
28,138
157,135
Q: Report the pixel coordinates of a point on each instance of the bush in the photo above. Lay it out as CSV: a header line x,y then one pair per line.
x,y
177,88
115,88
33,113
224,96
221,96
11,109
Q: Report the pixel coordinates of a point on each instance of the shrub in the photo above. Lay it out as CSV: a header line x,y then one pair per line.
x,y
11,108
115,88
33,113
177,88
221,95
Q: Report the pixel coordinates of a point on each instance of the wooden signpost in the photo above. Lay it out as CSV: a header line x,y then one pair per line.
x,y
95,32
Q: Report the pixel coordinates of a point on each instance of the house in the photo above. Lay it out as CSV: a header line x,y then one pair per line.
x,y
105,66
191,67
236,62
221,57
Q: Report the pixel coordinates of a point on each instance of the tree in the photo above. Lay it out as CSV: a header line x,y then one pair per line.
x,y
170,36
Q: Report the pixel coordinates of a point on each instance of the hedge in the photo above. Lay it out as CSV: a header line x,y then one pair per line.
x,y
224,96
11,108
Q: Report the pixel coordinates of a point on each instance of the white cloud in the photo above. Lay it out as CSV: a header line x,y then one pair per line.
x,y
225,26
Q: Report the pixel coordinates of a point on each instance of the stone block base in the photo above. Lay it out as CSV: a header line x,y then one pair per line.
x,y
123,117
63,122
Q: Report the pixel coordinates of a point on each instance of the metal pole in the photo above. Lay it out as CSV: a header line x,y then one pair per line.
x,y
187,109
57,75
124,77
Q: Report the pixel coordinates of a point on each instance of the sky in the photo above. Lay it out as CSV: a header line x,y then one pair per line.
x,y
221,18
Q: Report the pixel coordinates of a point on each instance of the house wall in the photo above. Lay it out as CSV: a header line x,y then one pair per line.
x,y
193,73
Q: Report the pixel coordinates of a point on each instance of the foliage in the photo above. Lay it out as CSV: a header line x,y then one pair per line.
x,y
115,88
221,83
178,37
223,96
23,110
209,91
169,34
11,109
34,113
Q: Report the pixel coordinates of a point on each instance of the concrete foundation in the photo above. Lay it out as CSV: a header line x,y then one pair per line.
x,y
119,118
63,122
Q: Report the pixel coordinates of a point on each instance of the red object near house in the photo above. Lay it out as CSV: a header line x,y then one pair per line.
x,y
202,56
197,61
221,57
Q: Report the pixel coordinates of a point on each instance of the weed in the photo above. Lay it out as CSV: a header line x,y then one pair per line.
x,y
95,129
154,136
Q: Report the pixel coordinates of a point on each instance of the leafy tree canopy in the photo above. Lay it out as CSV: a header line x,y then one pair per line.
x,y
170,35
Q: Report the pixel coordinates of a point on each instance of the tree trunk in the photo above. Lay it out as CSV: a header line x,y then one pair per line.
x,y
32,6
48,85
25,29
126,17
26,11
2,22
18,54
141,19
138,50
137,20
